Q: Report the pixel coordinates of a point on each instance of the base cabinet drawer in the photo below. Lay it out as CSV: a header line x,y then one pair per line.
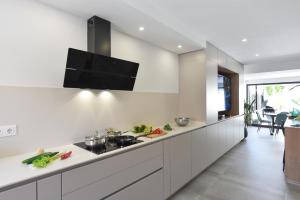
x,y
109,185
86,175
26,192
49,188
149,188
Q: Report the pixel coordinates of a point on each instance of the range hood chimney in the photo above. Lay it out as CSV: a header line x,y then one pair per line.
x,y
96,69
99,36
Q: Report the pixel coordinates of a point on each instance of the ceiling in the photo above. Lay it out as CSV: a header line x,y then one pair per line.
x,y
128,19
286,76
270,26
273,75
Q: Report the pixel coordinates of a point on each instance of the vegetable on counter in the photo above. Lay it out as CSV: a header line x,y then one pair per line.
x,y
44,161
157,131
40,151
168,127
142,129
65,155
32,159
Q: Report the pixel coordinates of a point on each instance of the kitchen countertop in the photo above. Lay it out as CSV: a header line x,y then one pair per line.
x,y
290,123
292,150
13,172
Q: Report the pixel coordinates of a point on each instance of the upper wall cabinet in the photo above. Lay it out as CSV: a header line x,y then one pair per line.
x,y
211,52
222,59
228,62
233,65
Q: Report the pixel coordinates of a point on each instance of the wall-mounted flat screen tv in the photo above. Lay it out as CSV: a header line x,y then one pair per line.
x,y
224,93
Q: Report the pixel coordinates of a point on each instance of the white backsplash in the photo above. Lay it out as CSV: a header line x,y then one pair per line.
x,y
49,117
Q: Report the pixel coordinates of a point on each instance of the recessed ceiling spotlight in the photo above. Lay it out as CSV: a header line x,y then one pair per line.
x,y
141,28
244,40
257,55
179,46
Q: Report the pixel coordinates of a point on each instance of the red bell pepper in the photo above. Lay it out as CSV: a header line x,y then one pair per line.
x,y
65,155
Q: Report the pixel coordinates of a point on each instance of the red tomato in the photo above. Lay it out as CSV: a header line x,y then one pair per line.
x,y
157,131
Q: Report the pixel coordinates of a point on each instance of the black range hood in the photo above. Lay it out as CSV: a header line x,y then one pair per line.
x,y
96,69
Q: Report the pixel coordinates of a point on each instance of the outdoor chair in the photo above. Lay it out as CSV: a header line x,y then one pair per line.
x,y
261,121
279,121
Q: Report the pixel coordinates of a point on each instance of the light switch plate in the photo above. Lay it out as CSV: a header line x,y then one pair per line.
x,y
8,131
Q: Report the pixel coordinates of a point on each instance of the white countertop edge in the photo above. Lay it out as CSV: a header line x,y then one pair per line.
x,y
290,122
22,174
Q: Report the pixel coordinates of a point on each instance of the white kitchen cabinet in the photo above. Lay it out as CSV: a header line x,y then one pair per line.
x,y
149,188
113,183
100,179
225,131
167,168
49,188
227,135
233,65
26,192
230,133
180,161
94,172
241,127
222,58
209,142
222,137
213,143
154,171
199,151
236,130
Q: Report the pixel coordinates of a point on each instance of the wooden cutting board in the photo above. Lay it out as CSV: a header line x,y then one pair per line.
x,y
156,135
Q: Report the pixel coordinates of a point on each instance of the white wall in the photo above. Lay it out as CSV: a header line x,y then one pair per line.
x,y
198,82
47,117
158,71
35,39
192,81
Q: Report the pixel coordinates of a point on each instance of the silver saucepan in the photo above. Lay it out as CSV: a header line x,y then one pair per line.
x,y
95,141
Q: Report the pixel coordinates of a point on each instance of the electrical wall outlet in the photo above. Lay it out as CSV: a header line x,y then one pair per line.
x,y
8,131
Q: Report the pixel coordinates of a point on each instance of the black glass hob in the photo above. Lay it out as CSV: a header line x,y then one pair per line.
x,y
109,146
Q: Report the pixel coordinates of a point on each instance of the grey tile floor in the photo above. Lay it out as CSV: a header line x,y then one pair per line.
x,y
250,171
